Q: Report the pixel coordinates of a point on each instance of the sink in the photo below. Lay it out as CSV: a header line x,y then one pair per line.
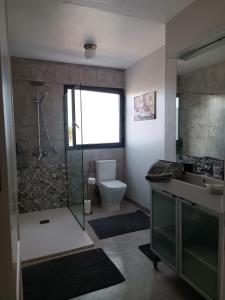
x,y
191,187
199,180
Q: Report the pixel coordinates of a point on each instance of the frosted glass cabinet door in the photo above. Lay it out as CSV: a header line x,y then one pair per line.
x,y
164,227
200,248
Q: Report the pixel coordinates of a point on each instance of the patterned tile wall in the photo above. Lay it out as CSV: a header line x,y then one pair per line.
x,y
43,184
204,165
42,188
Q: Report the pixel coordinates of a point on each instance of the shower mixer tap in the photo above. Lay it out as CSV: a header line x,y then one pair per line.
x,y
39,153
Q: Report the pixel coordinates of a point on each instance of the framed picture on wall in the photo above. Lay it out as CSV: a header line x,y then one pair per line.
x,y
145,107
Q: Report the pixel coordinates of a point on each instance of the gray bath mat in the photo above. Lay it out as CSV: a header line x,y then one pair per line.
x,y
120,224
70,276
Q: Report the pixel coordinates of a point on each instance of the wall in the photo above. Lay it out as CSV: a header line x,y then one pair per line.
x,y
9,231
144,139
200,21
202,112
42,185
170,109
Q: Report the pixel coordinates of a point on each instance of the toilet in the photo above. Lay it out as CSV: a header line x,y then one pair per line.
x,y
111,190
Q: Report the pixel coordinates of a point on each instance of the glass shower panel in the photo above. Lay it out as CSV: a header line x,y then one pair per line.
x,y
74,156
75,184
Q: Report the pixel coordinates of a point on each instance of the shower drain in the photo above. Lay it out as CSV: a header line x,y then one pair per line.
x,y
44,221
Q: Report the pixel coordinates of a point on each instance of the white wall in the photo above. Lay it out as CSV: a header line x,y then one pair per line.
x,y
144,139
198,22
170,108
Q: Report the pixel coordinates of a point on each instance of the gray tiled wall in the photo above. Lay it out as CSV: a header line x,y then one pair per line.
x,y
42,184
202,112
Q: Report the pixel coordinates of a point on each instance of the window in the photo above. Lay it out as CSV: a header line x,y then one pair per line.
x,y
94,117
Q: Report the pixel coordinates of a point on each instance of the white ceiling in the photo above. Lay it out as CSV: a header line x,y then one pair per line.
x,y
125,30
154,10
202,61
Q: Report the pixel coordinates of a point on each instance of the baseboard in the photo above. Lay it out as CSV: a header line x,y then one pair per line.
x,y
145,209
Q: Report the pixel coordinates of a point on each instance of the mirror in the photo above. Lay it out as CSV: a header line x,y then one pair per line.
x,y
200,107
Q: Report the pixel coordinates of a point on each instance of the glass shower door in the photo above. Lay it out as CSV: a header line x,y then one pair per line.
x,y
74,154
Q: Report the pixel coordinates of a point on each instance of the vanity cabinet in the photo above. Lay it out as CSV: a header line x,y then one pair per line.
x,y
199,249
164,227
187,237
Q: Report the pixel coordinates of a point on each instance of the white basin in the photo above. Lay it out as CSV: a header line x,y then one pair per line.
x,y
199,180
192,187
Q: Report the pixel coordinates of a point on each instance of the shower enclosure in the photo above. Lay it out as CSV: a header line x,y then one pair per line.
x,y
74,151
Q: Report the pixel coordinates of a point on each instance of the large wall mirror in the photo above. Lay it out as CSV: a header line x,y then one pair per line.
x,y
201,109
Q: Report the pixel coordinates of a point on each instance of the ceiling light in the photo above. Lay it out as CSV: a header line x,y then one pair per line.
x,y
90,50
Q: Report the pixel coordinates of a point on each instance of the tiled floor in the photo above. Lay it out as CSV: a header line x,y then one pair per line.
x,y
61,234
142,281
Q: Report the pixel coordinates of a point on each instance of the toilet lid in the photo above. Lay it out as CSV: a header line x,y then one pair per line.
x,y
114,184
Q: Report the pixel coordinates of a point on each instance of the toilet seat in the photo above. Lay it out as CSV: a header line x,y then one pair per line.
x,y
113,184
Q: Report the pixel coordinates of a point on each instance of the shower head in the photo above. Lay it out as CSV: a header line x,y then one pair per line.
x,y
40,95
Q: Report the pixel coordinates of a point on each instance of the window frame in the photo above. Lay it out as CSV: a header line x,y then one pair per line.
x,y
178,118
120,92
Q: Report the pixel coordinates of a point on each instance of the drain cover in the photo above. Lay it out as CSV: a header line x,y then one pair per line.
x,y
44,221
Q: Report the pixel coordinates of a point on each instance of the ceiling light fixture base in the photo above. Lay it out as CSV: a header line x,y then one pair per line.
x,y
90,50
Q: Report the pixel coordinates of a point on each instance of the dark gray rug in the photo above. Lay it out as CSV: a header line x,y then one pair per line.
x,y
120,224
70,276
147,251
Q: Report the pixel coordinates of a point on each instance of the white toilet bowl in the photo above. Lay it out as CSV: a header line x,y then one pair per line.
x,y
111,190
112,193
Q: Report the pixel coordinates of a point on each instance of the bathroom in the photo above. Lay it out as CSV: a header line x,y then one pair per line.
x,y
61,197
